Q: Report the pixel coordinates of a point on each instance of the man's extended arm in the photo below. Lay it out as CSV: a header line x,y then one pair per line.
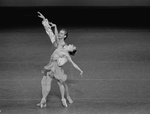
x,y
47,27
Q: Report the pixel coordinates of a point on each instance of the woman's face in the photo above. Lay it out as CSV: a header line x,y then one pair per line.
x,y
70,47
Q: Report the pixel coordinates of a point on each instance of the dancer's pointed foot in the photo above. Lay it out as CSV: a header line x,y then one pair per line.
x,y
42,104
69,100
64,103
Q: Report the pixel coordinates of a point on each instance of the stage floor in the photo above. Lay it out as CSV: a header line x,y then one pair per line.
x,y
116,65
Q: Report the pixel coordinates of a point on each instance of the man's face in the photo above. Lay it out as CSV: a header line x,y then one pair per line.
x,y
61,34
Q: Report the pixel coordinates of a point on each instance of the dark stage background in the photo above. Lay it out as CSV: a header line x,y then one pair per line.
x,y
77,16
75,3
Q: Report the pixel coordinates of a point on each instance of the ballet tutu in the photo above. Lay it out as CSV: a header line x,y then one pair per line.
x,y
58,72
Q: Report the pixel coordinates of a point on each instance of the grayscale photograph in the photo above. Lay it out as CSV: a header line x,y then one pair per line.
x,y
74,57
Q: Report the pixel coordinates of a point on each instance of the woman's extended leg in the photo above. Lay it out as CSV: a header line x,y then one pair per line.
x,y
62,92
67,93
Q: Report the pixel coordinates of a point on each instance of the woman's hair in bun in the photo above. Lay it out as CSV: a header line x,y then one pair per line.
x,y
73,52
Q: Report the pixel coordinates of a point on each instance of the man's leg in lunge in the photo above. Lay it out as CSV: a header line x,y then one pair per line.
x,y
46,87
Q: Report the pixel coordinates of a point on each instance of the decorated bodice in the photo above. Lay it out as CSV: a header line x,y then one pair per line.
x,y
60,56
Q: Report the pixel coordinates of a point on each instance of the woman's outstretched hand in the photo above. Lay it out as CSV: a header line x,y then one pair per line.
x,y
81,73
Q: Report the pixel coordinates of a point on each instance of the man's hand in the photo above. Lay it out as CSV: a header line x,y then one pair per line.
x,y
40,15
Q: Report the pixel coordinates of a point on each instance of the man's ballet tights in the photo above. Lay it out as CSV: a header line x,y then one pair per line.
x,y
46,87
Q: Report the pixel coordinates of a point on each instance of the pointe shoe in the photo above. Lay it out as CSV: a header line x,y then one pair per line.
x,y
64,103
69,100
42,105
